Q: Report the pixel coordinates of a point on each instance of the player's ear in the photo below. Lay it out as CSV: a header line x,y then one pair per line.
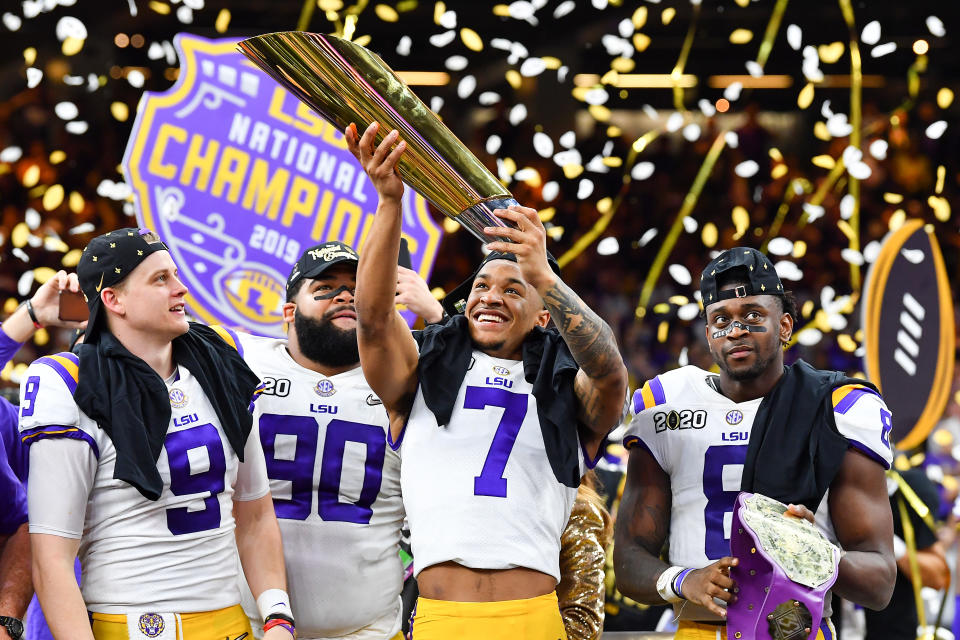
x,y
287,310
543,318
786,328
111,302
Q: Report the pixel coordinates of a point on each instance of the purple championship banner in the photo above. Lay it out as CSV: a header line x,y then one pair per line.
x,y
238,177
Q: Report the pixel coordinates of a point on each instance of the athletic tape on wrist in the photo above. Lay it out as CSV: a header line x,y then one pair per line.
x,y
274,601
665,584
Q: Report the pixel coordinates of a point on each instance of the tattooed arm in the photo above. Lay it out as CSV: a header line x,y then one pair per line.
x,y
601,384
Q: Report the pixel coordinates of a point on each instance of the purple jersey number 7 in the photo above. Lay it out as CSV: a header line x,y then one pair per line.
x,y
491,482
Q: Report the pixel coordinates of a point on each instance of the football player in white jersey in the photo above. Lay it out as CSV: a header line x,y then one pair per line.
x,y
139,463
690,437
334,480
496,419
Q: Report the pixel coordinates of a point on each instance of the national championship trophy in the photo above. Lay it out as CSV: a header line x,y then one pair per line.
x,y
345,83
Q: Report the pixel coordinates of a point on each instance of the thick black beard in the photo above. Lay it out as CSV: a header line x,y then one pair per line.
x,y
325,343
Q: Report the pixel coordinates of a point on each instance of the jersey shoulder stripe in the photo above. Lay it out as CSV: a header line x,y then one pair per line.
x,y
36,434
230,337
67,366
650,395
846,396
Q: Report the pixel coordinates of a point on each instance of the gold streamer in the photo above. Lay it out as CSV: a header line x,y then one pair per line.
x,y
911,542
773,26
856,122
607,215
795,185
682,60
689,202
306,14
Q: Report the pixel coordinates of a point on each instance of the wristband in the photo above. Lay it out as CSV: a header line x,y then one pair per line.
x,y
33,315
677,583
279,622
274,603
665,584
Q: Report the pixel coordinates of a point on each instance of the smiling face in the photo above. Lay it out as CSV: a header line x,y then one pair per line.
x,y
747,354
323,316
502,309
151,299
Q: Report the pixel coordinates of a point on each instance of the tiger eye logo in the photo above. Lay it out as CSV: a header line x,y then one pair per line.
x,y
151,625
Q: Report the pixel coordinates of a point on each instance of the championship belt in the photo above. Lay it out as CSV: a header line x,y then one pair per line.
x,y
786,568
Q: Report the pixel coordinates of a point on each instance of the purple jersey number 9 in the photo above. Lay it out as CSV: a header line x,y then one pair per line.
x,y
298,467
183,480
719,502
29,401
491,482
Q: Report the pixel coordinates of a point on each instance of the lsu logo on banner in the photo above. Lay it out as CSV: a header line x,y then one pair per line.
x,y
239,177
909,330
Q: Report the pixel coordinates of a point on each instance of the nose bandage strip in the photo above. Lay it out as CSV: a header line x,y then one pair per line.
x,y
333,294
736,324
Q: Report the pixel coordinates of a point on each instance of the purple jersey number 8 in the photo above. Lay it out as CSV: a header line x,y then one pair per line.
x,y
183,481
719,502
299,470
491,482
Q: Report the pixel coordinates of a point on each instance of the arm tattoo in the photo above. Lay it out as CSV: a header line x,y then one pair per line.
x,y
590,339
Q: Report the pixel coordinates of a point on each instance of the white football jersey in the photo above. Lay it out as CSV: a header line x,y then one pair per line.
x,y
480,491
336,490
699,437
175,554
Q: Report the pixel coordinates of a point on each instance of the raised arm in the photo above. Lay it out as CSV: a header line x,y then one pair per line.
x,y
601,383
860,512
388,352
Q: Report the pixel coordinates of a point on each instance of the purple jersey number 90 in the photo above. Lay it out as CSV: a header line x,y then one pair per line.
x,y
298,468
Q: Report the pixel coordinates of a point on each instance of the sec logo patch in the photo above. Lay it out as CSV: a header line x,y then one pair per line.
x,y
325,388
734,417
178,399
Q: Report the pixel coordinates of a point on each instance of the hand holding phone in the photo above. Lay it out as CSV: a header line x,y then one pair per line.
x,y
73,306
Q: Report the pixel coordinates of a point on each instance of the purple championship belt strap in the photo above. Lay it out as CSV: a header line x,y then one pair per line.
x,y
786,568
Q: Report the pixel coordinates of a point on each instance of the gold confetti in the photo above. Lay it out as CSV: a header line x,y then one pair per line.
x,y
830,53
846,343
623,65
223,21
942,437
42,274
76,202
917,459
41,337
610,77
10,306
440,8
471,39
555,233
743,3
546,215
603,206
450,225
668,15
897,219
509,166
799,249
663,331
363,40
386,13
29,56
741,220
329,5
501,10
58,156
19,235
824,161
613,162
779,171
807,308
775,154
72,258
941,175
806,96
641,41
940,206
514,78
72,46
639,18
406,5
120,111
944,98
661,308
31,176
741,36
571,171
847,229
821,132
438,293
53,197
159,7
599,112
892,198
55,244
613,131
678,300
709,235
551,62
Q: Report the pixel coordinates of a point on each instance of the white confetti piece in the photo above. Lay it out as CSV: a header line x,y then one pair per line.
x,y
780,246
625,28
788,271
859,170
562,74
77,127
794,37
34,76
825,109
185,14
913,256
935,130
493,144
70,27
568,139
436,103
871,33
11,154
691,132
448,19
456,63
883,49
466,86
608,246
852,256
440,40
501,43
25,283
517,114
597,95
136,78
683,359
503,171
66,110
155,51
196,5
809,337
517,53
642,170
846,206
617,46
680,273
599,5
878,149
813,211
690,225
550,191
488,98
85,227
647,236
596,165
851,155
837,125
747,168
871,251
674,122
688,312
564,8
525,174
32,217
706,107
584,189
732,139
403,47
652,113
12,21
732,93
521,10
542,144
568,157
532,67
754,68
935,26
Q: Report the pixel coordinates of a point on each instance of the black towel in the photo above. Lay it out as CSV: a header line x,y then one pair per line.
x,y
445,353
795,449
130,401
